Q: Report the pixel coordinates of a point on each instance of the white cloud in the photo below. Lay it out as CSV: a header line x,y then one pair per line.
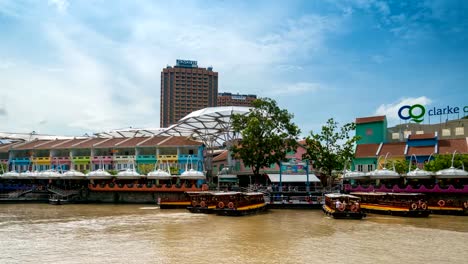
x,y
99,77
296,88
60,5
391,110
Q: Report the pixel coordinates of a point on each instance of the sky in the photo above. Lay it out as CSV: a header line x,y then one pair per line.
x,y
73,67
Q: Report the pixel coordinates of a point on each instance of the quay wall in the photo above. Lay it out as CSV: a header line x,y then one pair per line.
x,y
131,197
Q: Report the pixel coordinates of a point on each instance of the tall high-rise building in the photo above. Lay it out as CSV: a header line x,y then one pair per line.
x,y
186,88
229,99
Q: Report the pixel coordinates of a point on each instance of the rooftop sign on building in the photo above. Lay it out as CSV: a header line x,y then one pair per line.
x,y
187,63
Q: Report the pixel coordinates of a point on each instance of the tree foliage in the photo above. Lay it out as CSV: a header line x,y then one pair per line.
x,y
402,166
267,133
332,148
441,162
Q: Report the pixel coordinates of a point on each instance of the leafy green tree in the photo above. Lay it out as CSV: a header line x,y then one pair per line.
x,y
402,166
441,162
331,149
145,168
267,132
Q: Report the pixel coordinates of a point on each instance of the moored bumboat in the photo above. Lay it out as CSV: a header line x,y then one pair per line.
x,y
201,202
342,206
239,203
399,204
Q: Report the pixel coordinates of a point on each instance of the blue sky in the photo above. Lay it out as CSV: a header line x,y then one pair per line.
x,y
75,67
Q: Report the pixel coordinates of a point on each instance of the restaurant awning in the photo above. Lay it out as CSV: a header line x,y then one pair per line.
x,y
293,178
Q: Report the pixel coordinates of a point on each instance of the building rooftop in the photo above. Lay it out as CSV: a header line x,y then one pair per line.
x,y
370,119
366,150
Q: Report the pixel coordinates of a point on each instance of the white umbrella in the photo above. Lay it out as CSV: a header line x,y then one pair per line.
x,y
128,174
73,174
99,175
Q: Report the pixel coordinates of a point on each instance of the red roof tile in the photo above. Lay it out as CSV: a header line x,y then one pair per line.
x,y
131,142
421,151
69,144
89,143
4,148
370,119
179,141
422,136
448,146
30,144
221,157
107,142
52,143
366,150
393,149
152,141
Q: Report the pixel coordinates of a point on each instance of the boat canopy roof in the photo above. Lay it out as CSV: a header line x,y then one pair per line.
x,y
384,193
340,195
293,178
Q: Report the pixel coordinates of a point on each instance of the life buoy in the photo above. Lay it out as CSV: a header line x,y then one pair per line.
x,y
231,205
341,207
414,206
424,206
194,203
354,207
202,204
465,204
221,205
441,203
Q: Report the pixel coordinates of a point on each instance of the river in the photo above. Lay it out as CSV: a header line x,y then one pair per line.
x,y
41,233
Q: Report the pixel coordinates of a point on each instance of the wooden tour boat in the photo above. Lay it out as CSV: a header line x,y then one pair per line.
x,y
400,204
239,203
201,202
343,206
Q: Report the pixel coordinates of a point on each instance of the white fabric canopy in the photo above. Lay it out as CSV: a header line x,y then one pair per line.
x,y
293,178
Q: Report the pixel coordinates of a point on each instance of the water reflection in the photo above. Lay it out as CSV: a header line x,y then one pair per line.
x,y
143,234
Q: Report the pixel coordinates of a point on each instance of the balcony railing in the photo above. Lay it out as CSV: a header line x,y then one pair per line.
x,y
81,159
141,158
41,160
61,159
184,157
21,160
167,157
124,158
105,159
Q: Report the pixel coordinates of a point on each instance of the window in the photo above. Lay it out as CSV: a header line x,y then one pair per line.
x,y
370,167
446,132
407,133
359,167
419,132
459,131
395,135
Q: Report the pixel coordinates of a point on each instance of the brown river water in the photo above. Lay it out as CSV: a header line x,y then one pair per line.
x,y
42,233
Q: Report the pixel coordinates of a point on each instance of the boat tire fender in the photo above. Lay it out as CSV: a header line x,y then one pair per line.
x,y
221,205
231,205
441,203
424,206
414,206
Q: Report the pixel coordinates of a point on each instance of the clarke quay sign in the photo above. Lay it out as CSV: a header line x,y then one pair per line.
x,y
187,63
416,112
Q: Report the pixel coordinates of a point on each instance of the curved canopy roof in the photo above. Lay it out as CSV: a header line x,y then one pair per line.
x,y
212,125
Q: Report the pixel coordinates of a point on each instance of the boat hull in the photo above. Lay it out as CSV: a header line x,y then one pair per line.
x,y
344,214
200,210
241,211
378,209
